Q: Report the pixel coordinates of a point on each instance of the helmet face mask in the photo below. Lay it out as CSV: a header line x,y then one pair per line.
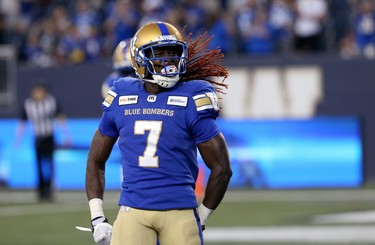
x,y
165,57
159,54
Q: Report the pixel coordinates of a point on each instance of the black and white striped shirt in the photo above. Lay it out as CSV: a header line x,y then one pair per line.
x,y
41,114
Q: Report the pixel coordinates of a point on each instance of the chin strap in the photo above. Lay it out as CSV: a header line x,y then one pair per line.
x,y
162,81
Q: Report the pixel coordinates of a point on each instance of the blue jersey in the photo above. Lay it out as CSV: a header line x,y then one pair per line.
x,y
157,140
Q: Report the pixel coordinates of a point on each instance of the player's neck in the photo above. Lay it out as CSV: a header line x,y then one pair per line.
x,y
153,88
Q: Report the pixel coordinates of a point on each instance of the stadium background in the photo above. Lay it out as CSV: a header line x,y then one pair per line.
x,y
299,127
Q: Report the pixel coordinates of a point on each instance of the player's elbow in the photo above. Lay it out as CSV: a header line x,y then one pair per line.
x,y
223,173
228,174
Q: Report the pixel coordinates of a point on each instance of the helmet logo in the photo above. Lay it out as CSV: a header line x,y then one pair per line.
x,y
167,38
169,69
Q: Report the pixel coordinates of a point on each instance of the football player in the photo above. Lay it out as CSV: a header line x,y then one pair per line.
x,y
160,121
122,65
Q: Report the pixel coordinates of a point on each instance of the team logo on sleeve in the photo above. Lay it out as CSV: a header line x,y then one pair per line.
x,y
206,101
177,100
109,98
128,99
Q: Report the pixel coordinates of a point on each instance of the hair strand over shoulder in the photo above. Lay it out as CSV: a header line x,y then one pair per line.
x,y
204,64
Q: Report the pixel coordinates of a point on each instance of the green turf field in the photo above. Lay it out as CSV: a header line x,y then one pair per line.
x,y
25,221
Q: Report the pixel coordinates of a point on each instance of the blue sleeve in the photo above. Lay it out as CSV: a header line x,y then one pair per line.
x,y
205,129
203,109
107,124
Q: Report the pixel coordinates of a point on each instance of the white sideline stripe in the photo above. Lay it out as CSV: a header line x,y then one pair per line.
x,y
349,217
302,234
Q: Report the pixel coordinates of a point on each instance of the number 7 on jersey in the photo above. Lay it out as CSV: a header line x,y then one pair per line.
x,y
154,127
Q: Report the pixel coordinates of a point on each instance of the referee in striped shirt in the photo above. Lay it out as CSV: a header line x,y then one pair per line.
x,y
41,109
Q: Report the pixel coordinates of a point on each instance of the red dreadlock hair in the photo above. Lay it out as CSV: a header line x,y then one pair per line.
x,y
203,64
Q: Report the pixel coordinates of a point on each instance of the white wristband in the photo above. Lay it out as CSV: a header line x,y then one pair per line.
x,y
204,213
96,208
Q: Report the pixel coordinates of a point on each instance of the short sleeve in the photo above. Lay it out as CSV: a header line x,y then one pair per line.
x,y
107,124
203,103
203,109
205,129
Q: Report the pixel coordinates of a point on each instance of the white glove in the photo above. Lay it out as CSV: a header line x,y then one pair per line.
x,y
102,231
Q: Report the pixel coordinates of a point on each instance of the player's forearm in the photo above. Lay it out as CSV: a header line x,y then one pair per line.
x,y
215,154
94,182
217,185
100,150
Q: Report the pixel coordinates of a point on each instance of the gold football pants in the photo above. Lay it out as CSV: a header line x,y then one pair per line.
x,y
144,227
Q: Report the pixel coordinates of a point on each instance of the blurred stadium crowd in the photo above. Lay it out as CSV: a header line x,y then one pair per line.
x,y
55,32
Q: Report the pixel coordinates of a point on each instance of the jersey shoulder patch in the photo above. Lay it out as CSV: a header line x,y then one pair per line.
x,y
204,95
109,98
122,86
206,101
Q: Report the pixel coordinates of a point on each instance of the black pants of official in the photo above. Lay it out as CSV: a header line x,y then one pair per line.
x,y
45,147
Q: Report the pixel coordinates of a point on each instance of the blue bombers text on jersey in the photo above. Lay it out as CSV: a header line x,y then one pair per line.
x,y
158,135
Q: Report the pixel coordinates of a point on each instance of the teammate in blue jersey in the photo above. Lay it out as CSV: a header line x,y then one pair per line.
x,y
122,66
161,121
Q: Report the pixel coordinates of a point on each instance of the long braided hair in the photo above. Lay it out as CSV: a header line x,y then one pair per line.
x,y
204,64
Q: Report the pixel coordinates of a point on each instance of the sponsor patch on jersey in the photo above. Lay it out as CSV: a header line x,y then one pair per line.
x,y
177,100
206,101
128,99
109,98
